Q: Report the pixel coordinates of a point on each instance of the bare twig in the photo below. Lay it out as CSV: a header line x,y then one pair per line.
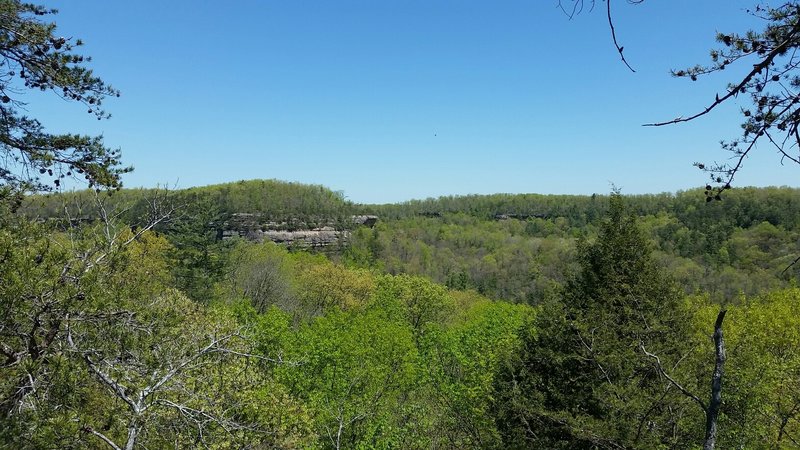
x,y
614,35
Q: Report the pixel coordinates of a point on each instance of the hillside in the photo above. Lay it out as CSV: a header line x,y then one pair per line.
x,y
512,247
519,247
271,199
449,323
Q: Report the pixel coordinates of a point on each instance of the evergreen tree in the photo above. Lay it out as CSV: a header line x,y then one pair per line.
x,y
35,57
197,253
583,379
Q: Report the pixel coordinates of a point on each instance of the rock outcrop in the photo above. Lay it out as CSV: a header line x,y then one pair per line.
x,y
293,232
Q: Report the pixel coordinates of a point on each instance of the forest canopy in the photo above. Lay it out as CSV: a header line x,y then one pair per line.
x,y
151,318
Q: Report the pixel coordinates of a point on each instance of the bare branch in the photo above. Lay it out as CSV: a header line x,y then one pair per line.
x,y
663,372
790,265
716,384
103,437
118,389
757,68
577,8
614,35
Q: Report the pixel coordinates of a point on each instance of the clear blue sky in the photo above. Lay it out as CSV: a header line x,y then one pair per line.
x,y
389,100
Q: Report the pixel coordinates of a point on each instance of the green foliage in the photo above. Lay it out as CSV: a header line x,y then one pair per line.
x,y
495,258
35,57
198,256
414,300
276,200
463,361
356,368
300,284
510,247
316,354
284,204
96,344
325,287
760,385
582,379
395,361
262,274
118,337
518,247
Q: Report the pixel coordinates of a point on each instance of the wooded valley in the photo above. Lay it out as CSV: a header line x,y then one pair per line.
x,y
502,321
265,314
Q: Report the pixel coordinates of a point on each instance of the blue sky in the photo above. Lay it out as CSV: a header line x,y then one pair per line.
x,y
391,100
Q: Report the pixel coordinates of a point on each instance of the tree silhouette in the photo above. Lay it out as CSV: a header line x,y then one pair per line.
x,y
34,57
772,84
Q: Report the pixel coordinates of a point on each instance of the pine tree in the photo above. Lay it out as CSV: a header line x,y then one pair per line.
x,y
35,57
583,379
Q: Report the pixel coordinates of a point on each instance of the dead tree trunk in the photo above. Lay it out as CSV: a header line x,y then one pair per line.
x,y
712,413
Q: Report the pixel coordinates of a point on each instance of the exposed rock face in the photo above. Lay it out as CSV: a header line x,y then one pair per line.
x,y
366,220
315,238
291,232
500,216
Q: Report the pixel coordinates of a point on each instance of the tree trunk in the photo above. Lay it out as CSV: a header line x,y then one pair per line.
x,y
133,433
712,413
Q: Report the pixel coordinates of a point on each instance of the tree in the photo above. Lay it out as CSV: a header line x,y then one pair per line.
x,y
263,273
462,361
772,84
771,80
197,252
582,379
35,57
761,387
97,349
48,277
414,300
358,368
166,372
324,287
